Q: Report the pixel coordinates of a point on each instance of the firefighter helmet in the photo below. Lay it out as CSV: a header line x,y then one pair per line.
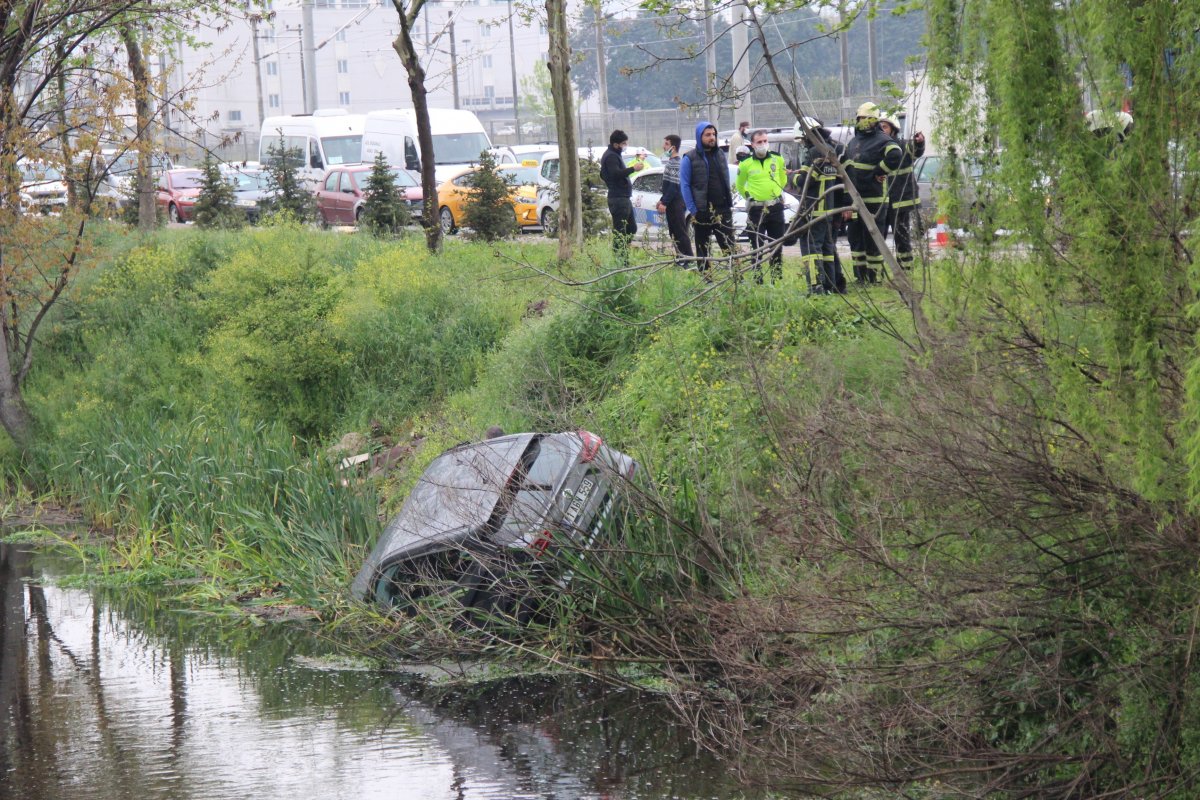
x,y
812,123
868,109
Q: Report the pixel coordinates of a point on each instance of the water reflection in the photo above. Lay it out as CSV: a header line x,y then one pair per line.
x,y
114,696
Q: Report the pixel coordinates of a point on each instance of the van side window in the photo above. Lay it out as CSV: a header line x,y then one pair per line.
x,y
550,170
314,155
411,159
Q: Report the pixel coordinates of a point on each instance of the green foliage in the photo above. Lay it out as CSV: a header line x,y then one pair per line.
x,y
596,218
288,196
384,210
216,207
488,209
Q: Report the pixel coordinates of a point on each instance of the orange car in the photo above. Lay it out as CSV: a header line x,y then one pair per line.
x,y
453,194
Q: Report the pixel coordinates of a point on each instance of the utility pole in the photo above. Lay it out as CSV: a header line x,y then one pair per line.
x,y
299,31
741,63
512,62
872,59
453,60
710,64
844,48
309,58
257,68
601,70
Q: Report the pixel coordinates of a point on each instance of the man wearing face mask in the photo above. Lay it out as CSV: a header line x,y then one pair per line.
x,y
761,179
615,175
671,203
871,156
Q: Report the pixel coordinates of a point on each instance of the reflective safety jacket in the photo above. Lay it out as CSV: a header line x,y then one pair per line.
x,y
762,179
869,156
902,185
814,178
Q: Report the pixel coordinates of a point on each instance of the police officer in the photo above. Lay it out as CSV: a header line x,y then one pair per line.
x,y
871,156
820,192
761,179
904,201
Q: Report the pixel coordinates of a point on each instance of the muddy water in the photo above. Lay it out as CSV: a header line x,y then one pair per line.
x,y
112,696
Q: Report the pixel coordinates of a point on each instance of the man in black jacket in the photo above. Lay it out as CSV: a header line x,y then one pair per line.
x,y
904,201
871,156
615,175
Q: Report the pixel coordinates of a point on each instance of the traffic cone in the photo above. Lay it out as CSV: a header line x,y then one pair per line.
x,y
941,235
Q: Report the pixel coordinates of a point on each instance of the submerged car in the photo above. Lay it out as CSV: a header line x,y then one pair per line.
x,y
488,521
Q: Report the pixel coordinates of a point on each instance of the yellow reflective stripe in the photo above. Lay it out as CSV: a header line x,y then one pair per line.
x,y
906,203
903,171
859,165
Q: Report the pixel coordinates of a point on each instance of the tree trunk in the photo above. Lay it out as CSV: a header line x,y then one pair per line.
x,y
570,197
403,45
144,180
13,415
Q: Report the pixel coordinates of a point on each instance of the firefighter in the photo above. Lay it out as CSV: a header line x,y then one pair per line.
x,y
871,156
904,202
820,192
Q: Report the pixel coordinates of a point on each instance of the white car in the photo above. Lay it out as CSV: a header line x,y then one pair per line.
x,y
44,186
647,188
547,189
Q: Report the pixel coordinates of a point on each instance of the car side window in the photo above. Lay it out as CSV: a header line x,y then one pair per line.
x,y
648,183
550,170
467,180
411,159
331,181
347,183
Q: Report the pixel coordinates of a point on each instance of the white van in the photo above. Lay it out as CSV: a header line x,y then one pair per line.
x,y
326,138
458,139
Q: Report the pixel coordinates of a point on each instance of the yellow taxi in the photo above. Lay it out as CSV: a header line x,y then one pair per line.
x,y
453,194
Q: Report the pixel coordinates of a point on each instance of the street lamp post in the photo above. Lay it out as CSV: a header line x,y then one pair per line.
x,y
512,63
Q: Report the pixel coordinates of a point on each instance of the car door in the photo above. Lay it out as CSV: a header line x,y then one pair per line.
x,y
647,189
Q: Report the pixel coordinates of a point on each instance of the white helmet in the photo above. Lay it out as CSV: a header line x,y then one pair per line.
x,y
812,123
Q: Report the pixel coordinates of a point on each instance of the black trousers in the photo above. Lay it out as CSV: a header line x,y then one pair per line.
x,y
901,221
624,226
678,228
718,223
818,248
765,225
867,260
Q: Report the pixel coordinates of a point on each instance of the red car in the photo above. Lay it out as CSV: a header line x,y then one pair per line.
x,y
177,191
340,195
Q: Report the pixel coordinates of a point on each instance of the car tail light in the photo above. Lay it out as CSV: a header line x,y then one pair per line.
x,y
591,445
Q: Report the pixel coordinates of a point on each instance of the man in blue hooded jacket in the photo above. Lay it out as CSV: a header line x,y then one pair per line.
x,y
704,182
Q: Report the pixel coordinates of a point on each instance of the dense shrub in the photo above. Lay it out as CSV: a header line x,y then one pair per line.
x,y
384,209
216,206
488,210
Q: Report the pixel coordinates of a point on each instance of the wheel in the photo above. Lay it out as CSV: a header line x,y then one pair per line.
x,y
173,213
549,221
447,220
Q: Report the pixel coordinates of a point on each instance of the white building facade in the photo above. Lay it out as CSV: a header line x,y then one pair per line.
x,y
353,65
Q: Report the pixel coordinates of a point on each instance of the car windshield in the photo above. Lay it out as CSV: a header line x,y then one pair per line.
x,y
191,179
458,148
342,149
521,176
404,178
36,173
650,159
127,162
929,171
249,181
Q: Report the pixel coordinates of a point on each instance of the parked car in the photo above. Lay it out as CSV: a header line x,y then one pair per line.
x,y
547,184
340,196
647,189
43,187
177,191
250,189
488,521
453,195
